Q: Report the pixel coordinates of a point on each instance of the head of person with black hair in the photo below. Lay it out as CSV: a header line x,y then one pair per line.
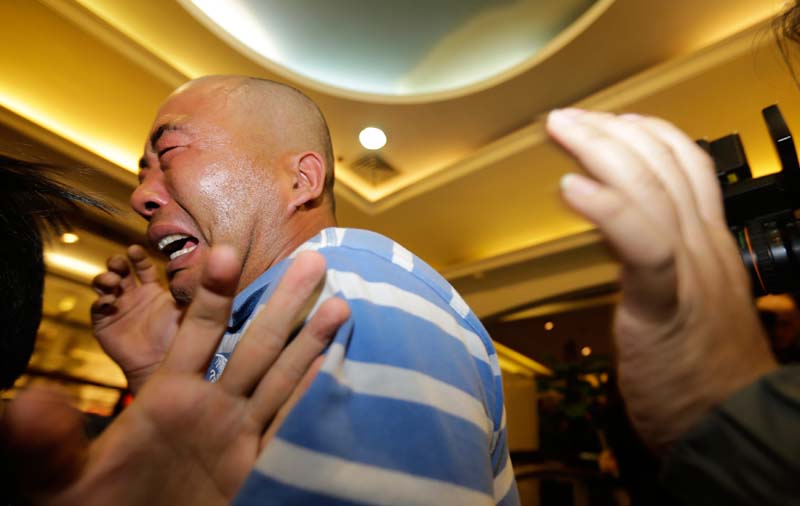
x,y
33,206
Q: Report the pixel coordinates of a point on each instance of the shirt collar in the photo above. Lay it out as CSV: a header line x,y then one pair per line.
x,y
248,299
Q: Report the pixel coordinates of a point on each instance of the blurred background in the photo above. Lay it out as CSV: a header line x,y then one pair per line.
x,y
463,174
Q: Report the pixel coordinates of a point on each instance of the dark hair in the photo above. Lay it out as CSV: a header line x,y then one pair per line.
x,y
33,206
786,28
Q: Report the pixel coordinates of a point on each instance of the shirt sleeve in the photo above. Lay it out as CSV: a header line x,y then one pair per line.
x,y
404,411
746,452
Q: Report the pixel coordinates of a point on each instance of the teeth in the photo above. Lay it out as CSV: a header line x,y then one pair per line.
x,y
163,243
182,252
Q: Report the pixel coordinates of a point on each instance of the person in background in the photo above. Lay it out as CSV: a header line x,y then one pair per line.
x,y
781,319
695,368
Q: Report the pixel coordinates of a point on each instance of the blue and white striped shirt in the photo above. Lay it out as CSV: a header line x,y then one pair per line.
x,y
408,405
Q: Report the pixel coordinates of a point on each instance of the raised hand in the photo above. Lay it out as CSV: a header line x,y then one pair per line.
x,y
185,440
134,316
686,330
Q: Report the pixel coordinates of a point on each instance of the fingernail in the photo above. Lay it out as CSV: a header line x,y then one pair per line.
x,y
572,112
565,115
577,185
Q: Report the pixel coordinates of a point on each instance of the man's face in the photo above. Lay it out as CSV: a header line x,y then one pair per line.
x,y
203,183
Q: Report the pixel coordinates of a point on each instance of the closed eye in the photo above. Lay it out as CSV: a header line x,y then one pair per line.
x,y
166,150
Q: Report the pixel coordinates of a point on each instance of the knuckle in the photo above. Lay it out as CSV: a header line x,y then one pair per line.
x,y
646,182
598,138
267,344
290,372
614,210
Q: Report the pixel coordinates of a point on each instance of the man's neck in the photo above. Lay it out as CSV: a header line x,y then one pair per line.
x,y
299,233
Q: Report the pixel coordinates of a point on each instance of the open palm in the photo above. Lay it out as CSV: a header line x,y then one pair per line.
x,y
185,440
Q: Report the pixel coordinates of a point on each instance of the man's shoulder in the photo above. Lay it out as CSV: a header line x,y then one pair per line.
x,y
357,256
371,248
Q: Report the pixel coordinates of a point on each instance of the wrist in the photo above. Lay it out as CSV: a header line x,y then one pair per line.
x,y
138,377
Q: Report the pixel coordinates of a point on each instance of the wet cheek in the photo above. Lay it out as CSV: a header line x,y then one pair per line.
x,y
219,194
232,194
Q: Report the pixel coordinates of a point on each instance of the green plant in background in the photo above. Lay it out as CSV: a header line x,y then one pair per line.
x,y
572,407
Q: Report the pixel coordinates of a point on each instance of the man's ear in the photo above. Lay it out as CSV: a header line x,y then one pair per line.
x,y
308,179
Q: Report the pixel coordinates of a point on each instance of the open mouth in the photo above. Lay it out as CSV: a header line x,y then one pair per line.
x,y
177,245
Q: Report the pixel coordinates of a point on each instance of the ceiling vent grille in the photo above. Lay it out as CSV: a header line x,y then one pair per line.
x,y
373,169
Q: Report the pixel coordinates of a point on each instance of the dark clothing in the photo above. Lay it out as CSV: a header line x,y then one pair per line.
x,y
746,452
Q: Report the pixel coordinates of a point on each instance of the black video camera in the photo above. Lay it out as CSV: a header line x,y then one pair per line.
x,y
762,213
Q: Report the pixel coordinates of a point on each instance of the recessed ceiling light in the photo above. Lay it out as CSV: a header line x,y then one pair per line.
x,y
67,304
549,326
586,351
69,238
372,138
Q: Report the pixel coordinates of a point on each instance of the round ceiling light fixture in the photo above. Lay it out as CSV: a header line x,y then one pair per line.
x,y
67,304
372,138
381,51
69,238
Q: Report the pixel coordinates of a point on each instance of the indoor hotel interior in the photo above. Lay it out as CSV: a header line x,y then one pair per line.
x,y
437,111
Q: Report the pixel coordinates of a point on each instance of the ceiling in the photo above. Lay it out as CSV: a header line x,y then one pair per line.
x,y
475,184
377,50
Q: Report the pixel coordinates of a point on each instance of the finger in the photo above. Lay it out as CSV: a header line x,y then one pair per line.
x,y
658,158
614,163
207,316
107,283
104,305
693,185
267,334
708,195
697,166
283,377
290,403
119,265
649,269
143,265
45,438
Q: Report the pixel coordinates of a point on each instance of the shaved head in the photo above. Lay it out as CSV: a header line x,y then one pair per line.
x,y
279,117
239,161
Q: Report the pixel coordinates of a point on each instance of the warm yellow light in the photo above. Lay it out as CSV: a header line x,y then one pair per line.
x,y
72,264
586,351
113,153
372,138
69,238
514,362
67,304
549,326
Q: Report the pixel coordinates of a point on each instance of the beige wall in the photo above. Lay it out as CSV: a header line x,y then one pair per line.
x,y
522,418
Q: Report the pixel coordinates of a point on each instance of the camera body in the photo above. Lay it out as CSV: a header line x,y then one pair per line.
x,y
762,212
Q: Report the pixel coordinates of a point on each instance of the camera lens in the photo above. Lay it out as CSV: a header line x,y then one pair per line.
x,y
770,249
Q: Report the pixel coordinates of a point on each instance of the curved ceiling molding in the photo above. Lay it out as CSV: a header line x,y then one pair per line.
x,y
379,52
